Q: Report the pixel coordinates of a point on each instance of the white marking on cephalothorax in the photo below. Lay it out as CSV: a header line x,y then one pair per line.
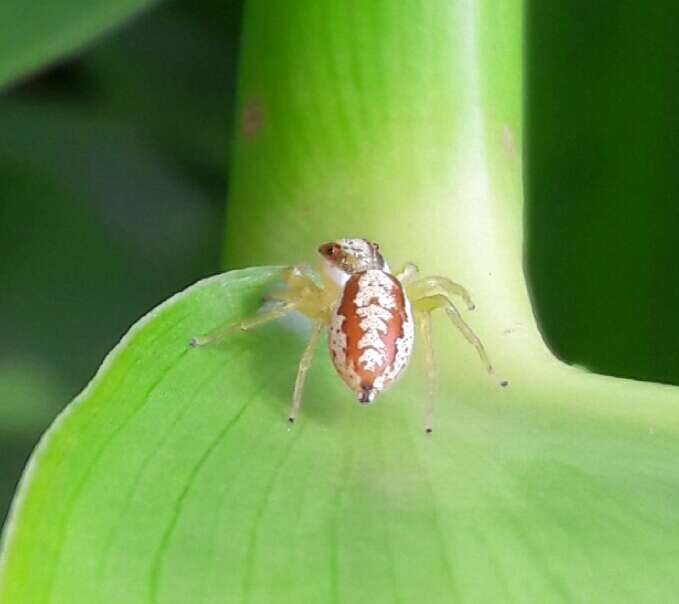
x,y
359,247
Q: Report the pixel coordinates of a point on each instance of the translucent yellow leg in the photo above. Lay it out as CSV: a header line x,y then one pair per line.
x,y
407,273
245,325
304,365
424,324
300,293
429,285
299,285
423,307
428,304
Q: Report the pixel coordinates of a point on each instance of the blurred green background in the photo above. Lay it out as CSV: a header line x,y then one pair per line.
x,y
113,179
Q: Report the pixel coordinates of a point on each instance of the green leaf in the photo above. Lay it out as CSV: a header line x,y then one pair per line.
x,y
118,210
173,477
189,63
36,33
403,122
129,230
604,180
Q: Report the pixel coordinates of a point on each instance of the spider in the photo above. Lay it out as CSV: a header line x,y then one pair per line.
x,y
370,314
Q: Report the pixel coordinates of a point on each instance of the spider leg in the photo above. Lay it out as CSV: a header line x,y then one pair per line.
x,y
304,365
430,285
423,307
298,283
245,325
436,301
407,273
300,293
423,319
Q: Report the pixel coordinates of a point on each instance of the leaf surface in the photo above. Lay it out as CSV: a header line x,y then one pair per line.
x,y
173,478
36,33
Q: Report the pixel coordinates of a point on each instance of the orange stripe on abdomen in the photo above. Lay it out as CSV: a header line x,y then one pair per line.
x,y
368,325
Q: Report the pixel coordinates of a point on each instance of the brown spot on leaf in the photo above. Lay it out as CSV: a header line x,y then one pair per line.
x,y
252,120
508,140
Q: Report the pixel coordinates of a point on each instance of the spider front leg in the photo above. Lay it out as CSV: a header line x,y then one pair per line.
x,y
300,294
245,325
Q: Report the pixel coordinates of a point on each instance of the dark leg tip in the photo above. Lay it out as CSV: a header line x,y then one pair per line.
x,y
193,342
291,420
504,383
472,306
428,431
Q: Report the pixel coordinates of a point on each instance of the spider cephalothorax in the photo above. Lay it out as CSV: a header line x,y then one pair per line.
x,y
344,257
370,315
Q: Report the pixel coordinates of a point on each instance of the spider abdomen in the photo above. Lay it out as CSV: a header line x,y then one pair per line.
x,y
371,333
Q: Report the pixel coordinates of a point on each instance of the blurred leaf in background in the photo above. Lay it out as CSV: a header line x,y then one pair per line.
x,y
603,183
36,33
112,188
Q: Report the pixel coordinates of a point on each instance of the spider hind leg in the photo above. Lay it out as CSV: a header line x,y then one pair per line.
x,y
429,304
423,307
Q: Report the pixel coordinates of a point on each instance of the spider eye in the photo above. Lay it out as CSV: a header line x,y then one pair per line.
x,y
376,246
330,250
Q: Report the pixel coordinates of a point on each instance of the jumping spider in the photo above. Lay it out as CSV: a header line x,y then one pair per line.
x,y
370,315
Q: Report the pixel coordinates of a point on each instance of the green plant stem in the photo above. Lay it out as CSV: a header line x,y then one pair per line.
x,y
397,121
400,122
